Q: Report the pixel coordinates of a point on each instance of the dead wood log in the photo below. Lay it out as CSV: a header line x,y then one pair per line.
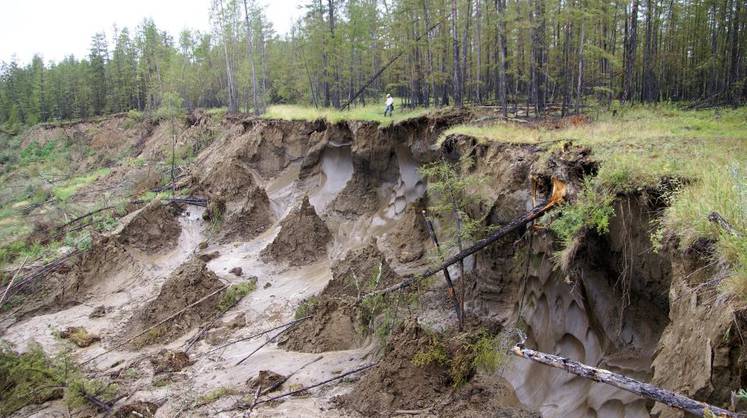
x,y
285,379
12,279
169,318
259,334
273,338
719,220
557,196
645,390
324,382
447,276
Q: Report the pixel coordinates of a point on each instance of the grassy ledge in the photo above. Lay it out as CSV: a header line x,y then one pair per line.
x,y
372,112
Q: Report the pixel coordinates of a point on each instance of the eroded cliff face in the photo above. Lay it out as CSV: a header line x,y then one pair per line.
x,y
310,208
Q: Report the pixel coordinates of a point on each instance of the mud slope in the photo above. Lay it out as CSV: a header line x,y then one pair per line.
x,y
308,217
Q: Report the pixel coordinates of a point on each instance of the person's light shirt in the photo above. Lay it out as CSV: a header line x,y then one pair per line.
x,y
389,101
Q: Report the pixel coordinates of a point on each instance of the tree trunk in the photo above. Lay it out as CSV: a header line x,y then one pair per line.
x,y
580,84
478,36
630,48
500,6
250,57
644,390
457,80
336,90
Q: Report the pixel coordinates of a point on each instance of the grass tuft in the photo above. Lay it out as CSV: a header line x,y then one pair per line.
x,y
373,112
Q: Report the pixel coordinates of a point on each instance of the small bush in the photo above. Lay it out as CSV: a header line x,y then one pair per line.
x,y
235,293
592,210
435,353
34,378
306,307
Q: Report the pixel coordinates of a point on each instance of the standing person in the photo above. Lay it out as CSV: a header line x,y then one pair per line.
x,y
389,105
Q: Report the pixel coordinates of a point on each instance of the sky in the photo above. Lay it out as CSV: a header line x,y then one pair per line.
x,y
57,28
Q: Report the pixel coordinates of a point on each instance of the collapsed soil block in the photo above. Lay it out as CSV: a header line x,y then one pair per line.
x,y
264,380
152,228
239,208
188,284
332,328
169,361
79,336
361,270
137,409
398,383
302,239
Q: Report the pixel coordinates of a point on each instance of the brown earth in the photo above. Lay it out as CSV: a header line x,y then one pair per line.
x,y
332,328
233,189
189,283
396,384
357,198
302,239
365,265
407,241
151,229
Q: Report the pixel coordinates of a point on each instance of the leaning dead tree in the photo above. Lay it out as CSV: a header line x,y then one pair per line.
x,y
558,193
645,390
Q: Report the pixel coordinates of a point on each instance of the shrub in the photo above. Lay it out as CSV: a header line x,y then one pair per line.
x,y
235,293
306,307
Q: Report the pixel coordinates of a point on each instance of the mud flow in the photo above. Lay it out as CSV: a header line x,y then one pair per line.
x,y
304,220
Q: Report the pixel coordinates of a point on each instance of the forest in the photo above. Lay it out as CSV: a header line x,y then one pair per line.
x,y
521,55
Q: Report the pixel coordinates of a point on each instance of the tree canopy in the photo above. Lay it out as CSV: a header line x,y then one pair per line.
x,y
527,55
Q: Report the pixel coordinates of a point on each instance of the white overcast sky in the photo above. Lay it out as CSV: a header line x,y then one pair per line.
x,y
57,28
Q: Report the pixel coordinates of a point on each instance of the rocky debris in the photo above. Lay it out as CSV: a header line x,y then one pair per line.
x,y
203,245
333,328
169,361
208,257
152,228
267,285
141,409
237,271
98,312
302,239
396,383
79,336
189,283
264,380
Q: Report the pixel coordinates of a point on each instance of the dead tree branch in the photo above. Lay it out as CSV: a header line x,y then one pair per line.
x,y
536,212
324,382
169,318
645,390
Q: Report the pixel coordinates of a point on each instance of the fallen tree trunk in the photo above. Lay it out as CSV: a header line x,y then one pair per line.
x,y
645,390
316,385
447,276
557,196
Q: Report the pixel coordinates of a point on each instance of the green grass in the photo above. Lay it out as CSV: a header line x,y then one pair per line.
x,y
65,191
705,151
372,112
34,378
235,293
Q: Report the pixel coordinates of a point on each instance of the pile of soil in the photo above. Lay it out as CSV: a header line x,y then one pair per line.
x,y
357,198
332,328
243,206
137,409
189,283
302,239
152,228
407,241
265,379
364,265
395,384
336,322
169,361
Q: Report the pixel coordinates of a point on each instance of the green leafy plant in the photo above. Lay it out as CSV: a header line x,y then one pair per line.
x,y
306,307
235,293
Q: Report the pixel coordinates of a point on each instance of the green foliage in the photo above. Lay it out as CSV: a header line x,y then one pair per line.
x,y
306,307
434,353
591,211
214,395
235,293
34,378
464,354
